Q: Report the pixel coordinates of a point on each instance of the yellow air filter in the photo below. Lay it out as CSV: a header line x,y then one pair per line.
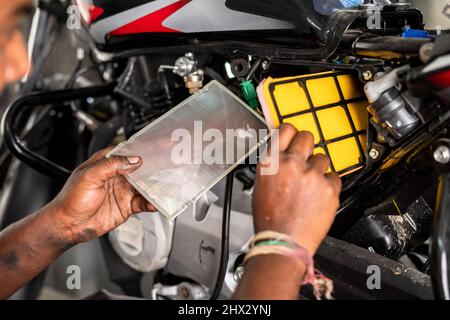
x,y
331,105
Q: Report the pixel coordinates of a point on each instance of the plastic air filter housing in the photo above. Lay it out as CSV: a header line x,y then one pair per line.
x,y
331,105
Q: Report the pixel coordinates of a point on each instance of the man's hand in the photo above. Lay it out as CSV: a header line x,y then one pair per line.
x,y
302,198
97,198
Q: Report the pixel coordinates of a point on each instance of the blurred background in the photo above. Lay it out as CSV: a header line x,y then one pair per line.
x,y
434,12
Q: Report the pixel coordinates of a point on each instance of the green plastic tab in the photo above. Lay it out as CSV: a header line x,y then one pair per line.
x,y
250,93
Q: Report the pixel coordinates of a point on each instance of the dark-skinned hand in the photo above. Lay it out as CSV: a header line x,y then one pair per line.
x,y
301,199
97,198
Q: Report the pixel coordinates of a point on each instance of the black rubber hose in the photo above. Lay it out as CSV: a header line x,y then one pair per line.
x,y
213,74
390,44
440,262
225,247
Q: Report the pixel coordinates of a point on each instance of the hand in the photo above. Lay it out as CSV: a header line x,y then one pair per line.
x,y
97,198
301,199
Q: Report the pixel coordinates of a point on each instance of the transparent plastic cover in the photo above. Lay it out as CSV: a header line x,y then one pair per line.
x,y
192,147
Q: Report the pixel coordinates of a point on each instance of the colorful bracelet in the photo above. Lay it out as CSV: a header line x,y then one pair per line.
x,y
271,242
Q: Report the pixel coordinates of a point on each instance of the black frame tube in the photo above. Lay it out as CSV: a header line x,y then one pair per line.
x,y
18,147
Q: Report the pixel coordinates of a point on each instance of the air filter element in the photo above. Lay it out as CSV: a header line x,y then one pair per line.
x,y
331,105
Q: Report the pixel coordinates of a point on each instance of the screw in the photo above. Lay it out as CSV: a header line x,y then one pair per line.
x,y
426,52
265,65
185,293
381,138
367,75
238,273
442,155
374,154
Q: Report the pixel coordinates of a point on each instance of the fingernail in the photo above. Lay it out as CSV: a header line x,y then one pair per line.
x,y
134,160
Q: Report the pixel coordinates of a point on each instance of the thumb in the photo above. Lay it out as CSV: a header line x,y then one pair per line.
x,y
111,167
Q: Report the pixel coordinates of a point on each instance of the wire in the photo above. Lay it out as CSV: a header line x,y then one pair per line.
x,y
253,69
73,76
81,72
225,247
214,75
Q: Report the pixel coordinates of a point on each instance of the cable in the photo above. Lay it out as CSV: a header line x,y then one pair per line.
x,y
46,37
253,69
81,72
73,76
225,247
214,75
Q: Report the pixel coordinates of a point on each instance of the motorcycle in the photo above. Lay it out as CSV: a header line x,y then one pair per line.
x,y
146,57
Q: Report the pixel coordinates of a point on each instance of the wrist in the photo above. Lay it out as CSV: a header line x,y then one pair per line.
x,y
270,277
304,240
308,244
275,267
59,233
278,244
294,258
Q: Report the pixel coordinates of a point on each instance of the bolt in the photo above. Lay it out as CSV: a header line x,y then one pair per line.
x,y
442,155
374,154
238,273
185,293
381,138
265,65
367,75
426,52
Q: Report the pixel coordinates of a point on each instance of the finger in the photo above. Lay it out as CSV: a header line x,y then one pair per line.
x,y
148,206
302,145
145,205
286,134
319,162
109,168
96,157
335,181
139,204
